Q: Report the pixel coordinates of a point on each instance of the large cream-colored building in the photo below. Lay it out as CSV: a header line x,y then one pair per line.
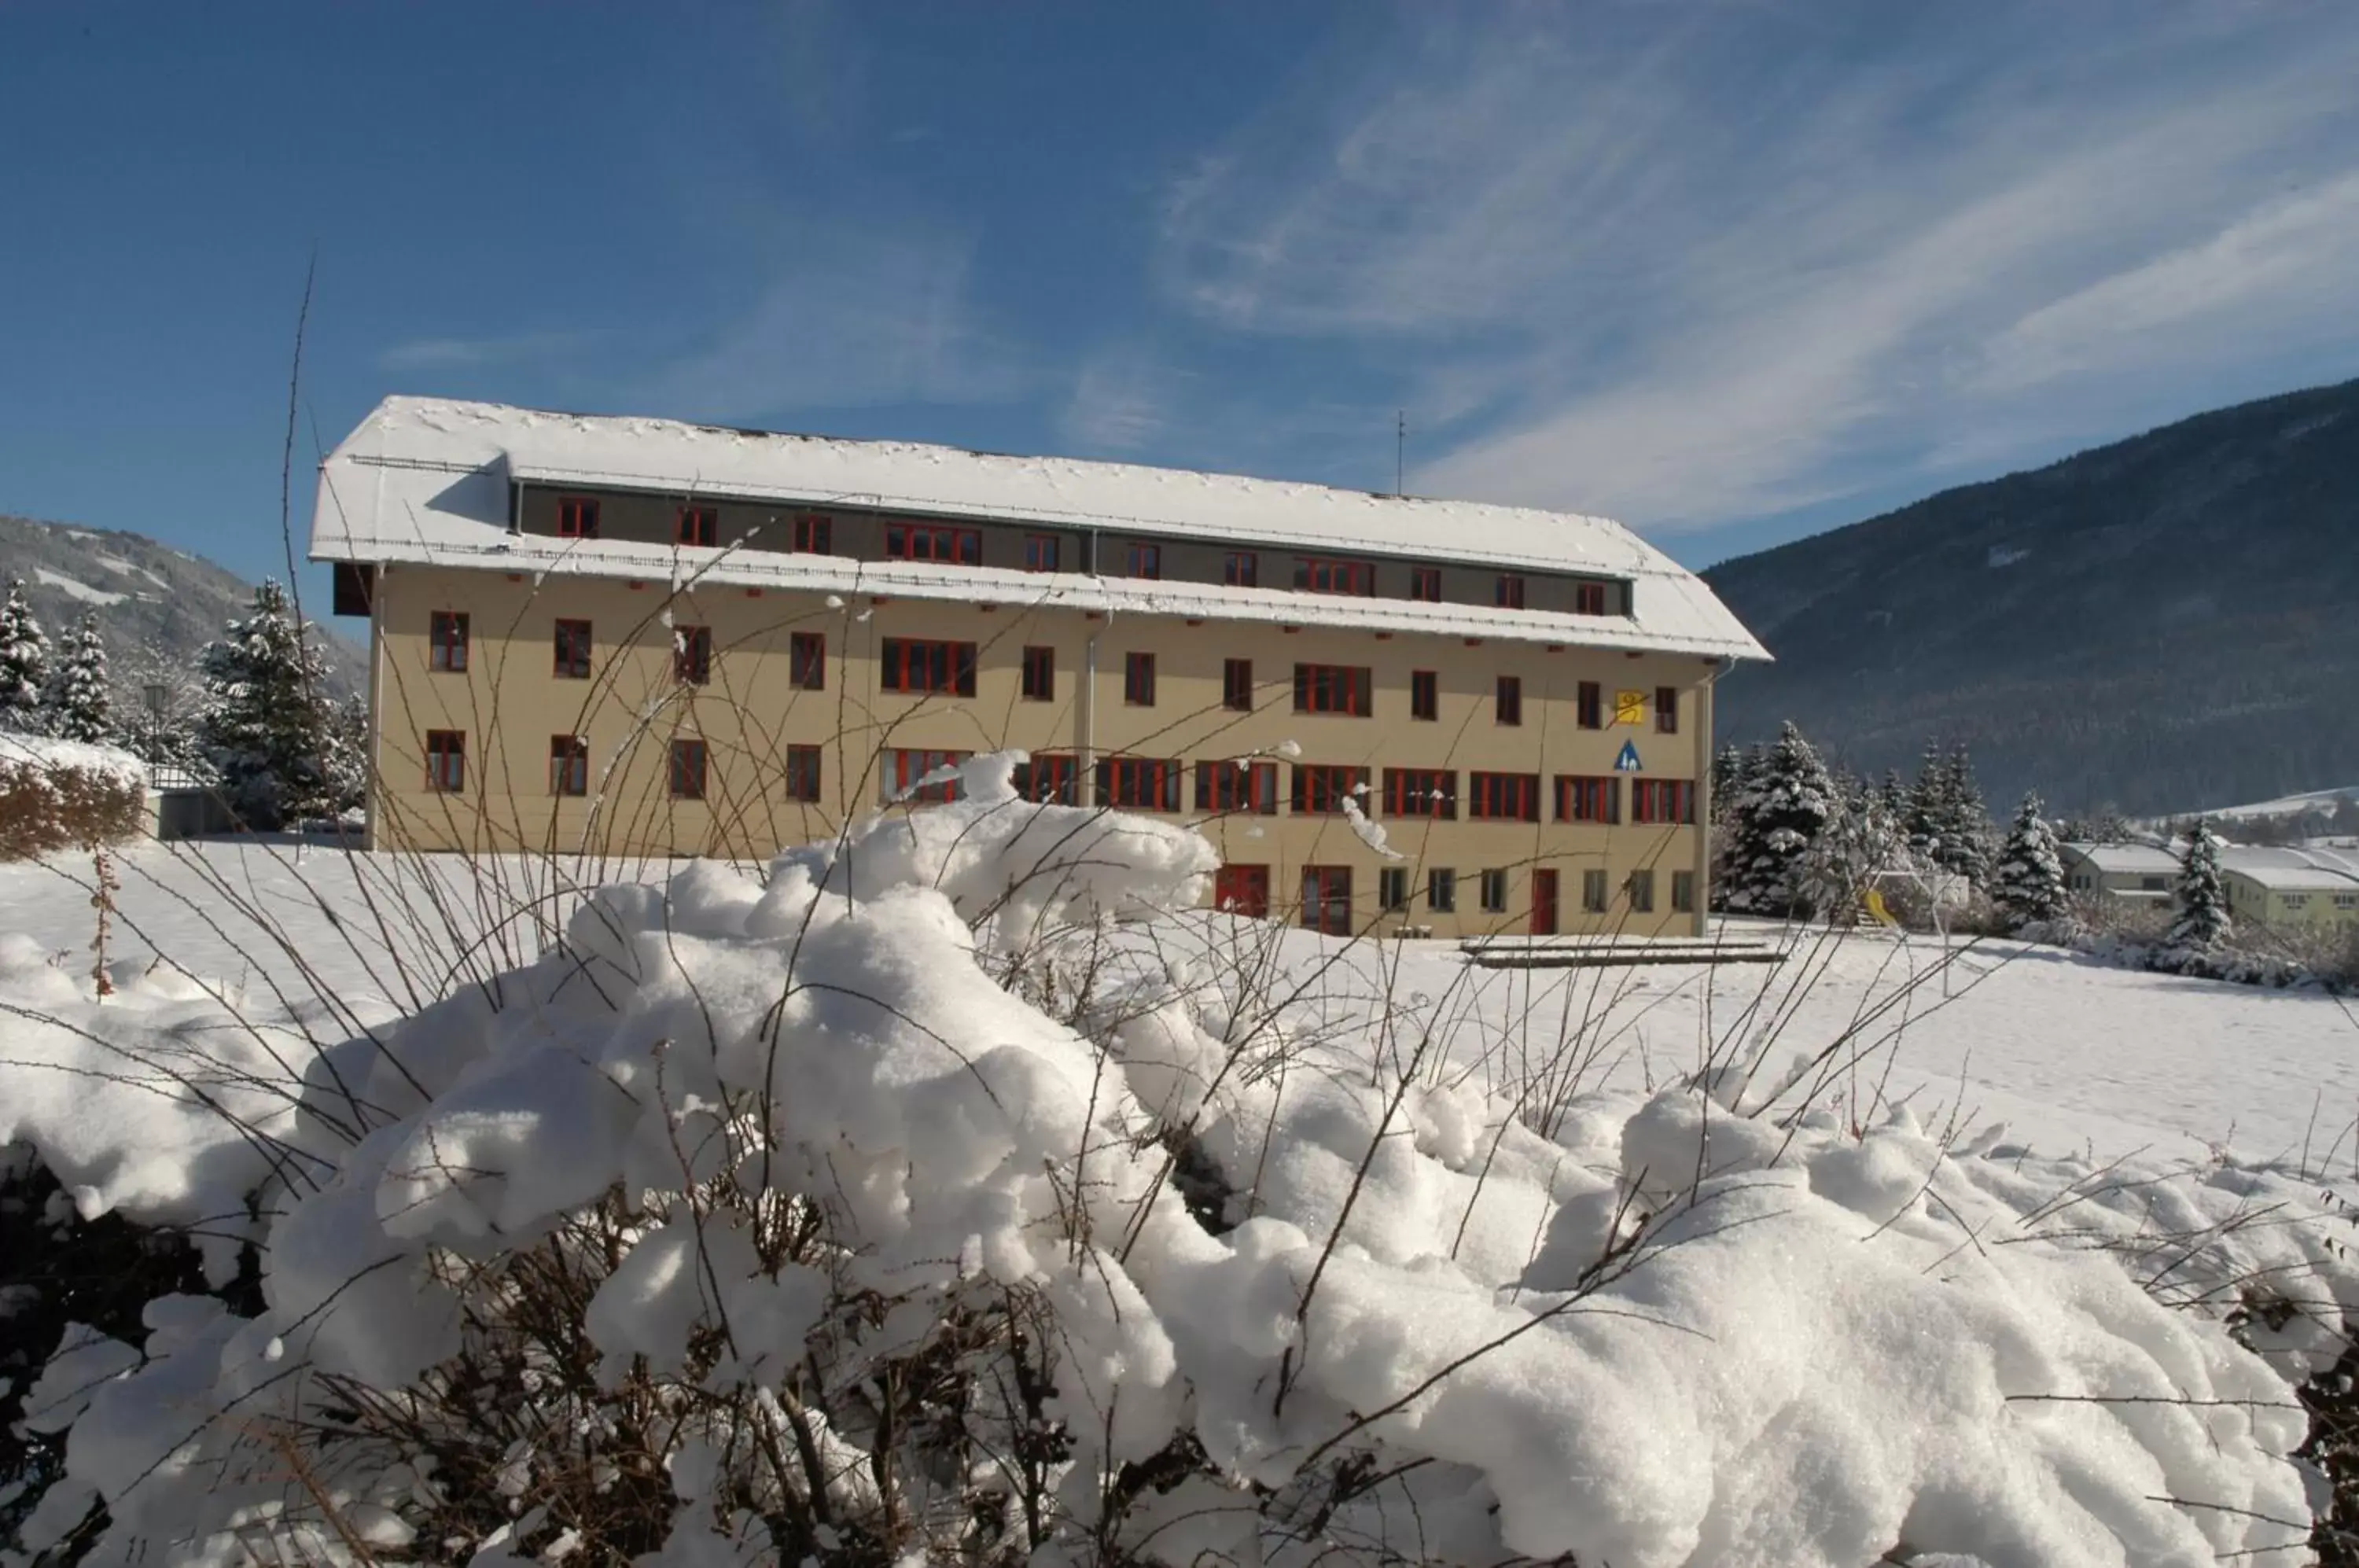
x,y
636,637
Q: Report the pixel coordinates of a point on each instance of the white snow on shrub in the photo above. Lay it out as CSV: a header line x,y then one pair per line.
x,y
1704,1324
34,754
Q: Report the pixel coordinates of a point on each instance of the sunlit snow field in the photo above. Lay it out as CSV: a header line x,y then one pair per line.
x,y
2074,1056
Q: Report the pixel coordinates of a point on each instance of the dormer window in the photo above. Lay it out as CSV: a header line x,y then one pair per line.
x,y
1590,596
1317,574
577,518
1507,593
1145,560
699,528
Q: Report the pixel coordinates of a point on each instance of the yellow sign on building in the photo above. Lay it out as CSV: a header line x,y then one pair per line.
x,y
1629,707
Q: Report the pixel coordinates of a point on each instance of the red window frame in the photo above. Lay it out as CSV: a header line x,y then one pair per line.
x,y
1140,783
690,764
1050,778
1588,797
577,518
938,543
814,534
447,641
1320,788
1508,699
905,766
805,772
1502,797
807,662
1237,685
568,766
1329,575
1138,680
1327,899
1241,890
1424,694
1040,676
1425,584
1508,592
1144,560
1667,709
691,655
1422,792
1042,552
919,665
699,527
571,646
1248,788
1589,706
1346,689
1241,568
1662,802
446,762
1589,596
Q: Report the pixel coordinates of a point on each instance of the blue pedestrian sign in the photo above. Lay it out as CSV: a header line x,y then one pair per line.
x,y
1629,761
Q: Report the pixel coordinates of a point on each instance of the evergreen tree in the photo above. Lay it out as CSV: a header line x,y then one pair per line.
x,y
2203,920
267,725
2028,881
1947,825
1893,795
1862,840
348,756
1927,811
24,662
1727,774
1966,827
1781,810
82,702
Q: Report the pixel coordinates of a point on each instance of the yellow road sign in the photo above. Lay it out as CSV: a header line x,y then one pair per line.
x,y
1629,707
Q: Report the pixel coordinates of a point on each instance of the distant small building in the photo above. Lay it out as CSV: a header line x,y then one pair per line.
x,y
2290,886
2265,886
2133,873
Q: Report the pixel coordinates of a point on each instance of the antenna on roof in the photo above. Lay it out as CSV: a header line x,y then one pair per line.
x,y
1400,446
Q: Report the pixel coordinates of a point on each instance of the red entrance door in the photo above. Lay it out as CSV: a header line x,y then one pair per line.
x,y
1544,903
1327,899
1241,890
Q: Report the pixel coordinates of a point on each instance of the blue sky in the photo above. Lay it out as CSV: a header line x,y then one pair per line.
x,y
1730,272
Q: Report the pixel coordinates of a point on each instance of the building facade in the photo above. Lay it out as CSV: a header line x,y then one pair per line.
x,y
634,637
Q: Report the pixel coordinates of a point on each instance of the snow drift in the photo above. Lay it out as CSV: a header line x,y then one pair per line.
x,y
898,1203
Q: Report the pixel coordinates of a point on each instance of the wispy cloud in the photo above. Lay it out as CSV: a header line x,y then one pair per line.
x,y
462,352
846,319
1121,401
1701,265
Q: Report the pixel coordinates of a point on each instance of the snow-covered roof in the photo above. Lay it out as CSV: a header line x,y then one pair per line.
x,y
2292,870
428,480
2125,859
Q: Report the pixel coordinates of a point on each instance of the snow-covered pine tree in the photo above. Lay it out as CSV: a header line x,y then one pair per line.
x,y
348,755
2203,921
1966,824
82,699
1727,775
2027,880
1783,807
24,662
1859,842
1894,794
266,727
1927,811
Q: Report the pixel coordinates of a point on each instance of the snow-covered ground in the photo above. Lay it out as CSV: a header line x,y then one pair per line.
x,y
2074,1055
2286,805
785,1144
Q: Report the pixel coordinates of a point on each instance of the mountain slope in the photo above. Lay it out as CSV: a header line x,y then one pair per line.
x,y
2174,617
149,596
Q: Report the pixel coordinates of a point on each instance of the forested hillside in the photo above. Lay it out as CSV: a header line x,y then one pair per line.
x,y
2172,618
